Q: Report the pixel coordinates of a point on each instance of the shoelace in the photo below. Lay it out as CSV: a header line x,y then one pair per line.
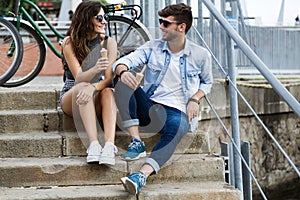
x,y
135,145
93,151
113,148
142,178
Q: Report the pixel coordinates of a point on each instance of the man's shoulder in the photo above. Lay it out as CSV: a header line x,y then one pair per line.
x,y
156,42
196,47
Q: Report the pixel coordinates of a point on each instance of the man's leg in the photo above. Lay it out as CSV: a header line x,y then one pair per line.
x,y
134,109
175,128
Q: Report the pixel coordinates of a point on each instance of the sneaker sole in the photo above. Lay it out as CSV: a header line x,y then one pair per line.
x,y
129,186
107,161
92,159
141,155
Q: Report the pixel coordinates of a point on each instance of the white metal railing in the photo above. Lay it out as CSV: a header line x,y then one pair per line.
x,y
60,26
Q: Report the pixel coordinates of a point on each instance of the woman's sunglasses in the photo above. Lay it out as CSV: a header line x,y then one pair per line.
x,y
166,23
101,17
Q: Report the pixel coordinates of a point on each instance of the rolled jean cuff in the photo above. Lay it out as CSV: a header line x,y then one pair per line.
x,y
131,122
153,163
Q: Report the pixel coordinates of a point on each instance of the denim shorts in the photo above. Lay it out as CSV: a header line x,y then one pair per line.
x,y
69,83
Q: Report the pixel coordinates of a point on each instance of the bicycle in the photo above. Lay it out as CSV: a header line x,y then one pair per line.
x,y
125,28
9,41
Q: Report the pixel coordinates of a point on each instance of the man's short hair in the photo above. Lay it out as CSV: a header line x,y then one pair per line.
x,y
182,14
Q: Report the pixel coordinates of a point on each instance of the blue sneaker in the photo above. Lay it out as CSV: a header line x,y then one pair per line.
x,y
134,182
136,150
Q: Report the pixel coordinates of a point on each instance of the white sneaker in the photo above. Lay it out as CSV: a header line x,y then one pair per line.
x,y
108,154
94,152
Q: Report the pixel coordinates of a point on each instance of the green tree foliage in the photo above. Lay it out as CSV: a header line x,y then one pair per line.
x,y
104,2
7,6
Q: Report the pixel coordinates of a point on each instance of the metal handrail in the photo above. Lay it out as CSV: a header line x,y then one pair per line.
x,y
254,58
292,102
277,85
236,147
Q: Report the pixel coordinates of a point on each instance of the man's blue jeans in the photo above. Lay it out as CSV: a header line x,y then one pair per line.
x,y
137,109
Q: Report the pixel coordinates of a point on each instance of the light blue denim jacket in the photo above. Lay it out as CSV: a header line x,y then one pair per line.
x,y
195,66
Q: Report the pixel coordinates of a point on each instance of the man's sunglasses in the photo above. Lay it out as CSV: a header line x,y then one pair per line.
x,y
101,17
166,23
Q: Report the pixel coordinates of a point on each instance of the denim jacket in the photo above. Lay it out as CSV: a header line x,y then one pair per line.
x,y
195,66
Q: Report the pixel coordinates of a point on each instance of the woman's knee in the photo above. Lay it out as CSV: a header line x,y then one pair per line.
x,y
107,93
67,102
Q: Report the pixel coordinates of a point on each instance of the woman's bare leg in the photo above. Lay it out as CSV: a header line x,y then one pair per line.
x,y
109,113
87,113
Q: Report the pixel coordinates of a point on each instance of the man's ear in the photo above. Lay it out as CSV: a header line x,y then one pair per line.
x,y
182,27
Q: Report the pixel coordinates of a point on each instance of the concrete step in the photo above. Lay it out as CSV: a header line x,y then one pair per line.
x,y
54,144
39,99
24,121
174,191
67,171
16,145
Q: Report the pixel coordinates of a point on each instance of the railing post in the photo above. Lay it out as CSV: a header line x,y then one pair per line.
x,y
238,180
234,116
226,153
264,70
247,186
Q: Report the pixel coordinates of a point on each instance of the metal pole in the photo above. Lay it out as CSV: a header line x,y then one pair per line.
x,y
247,186
223,34
277,85
238,180
181,1
241,14
234,116
212,30
200,18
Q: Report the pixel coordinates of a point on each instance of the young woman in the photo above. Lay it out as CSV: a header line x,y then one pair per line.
x,y
88,78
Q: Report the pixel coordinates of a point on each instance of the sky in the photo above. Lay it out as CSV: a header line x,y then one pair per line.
x,y
268,10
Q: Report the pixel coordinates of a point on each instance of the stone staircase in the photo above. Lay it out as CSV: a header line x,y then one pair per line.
x,y
42,156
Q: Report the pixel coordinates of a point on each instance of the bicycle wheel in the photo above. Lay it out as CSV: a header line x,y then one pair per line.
x,y
33,57
127,37
11,50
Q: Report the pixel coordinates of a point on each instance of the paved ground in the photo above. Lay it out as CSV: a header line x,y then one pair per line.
x,y
41,83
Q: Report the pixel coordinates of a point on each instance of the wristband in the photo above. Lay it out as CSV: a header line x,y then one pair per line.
x,y
122,72
194,100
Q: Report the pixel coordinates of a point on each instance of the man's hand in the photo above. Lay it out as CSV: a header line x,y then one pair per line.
x,y
129,79
192,110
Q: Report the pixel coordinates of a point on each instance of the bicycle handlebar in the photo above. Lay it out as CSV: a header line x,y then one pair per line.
x,y
136,10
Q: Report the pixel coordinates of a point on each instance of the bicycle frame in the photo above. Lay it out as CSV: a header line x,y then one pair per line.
x,y
22,11
112,8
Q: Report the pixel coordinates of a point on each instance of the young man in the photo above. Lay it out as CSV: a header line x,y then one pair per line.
x,y
177,76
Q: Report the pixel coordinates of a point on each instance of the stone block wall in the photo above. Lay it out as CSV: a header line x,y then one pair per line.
x,y
267,163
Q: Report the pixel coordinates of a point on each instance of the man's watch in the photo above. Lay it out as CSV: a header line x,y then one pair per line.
x,y
194,100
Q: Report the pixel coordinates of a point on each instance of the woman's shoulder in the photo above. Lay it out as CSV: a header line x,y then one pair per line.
x,y
111,43
110,39
66,42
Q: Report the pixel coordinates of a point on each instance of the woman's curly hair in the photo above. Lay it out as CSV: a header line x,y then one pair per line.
x,y
82,27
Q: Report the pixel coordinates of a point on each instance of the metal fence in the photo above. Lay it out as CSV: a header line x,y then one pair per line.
x,y
278,47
